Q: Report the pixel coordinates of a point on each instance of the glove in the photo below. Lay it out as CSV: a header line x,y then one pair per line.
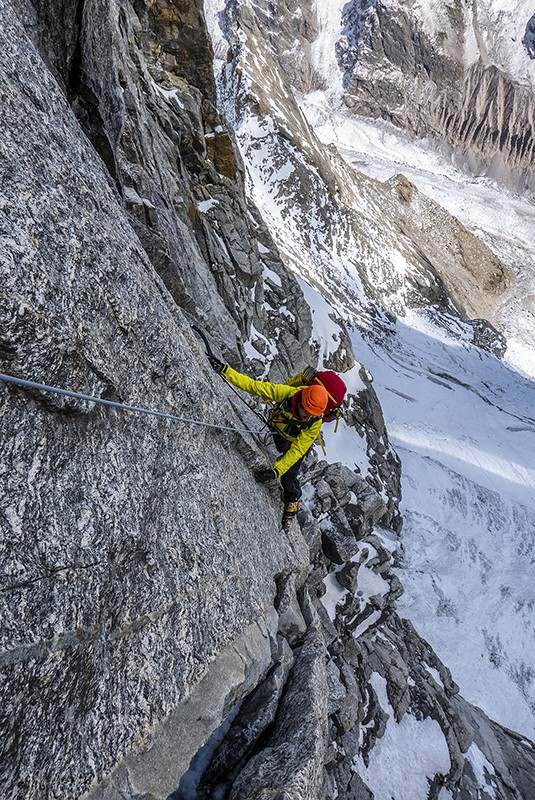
x,y
216,364
264,475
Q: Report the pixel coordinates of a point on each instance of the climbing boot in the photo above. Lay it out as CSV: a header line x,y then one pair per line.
x,y
290,511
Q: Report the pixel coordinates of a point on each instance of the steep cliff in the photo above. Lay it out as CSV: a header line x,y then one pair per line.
x,y
138,78
125,568
110,522
458,73
148,594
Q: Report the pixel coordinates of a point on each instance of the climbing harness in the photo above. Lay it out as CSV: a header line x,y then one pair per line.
x,y
121,406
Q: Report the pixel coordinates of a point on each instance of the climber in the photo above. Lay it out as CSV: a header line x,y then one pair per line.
x,y
296,420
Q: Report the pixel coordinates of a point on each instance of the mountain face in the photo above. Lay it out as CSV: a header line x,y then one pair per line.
x,y
457,72
162,636
388,242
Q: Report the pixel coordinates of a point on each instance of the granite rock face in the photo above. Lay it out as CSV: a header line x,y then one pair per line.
x,y
124,569
139,79
155,616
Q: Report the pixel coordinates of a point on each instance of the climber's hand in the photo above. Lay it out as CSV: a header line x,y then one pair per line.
x,y
216,364
264,475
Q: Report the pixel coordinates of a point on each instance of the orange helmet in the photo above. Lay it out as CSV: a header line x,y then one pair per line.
x,y
314,400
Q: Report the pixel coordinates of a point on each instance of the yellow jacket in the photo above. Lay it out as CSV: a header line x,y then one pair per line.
x,y
301,434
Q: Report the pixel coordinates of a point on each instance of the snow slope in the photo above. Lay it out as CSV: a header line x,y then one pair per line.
x,y
462,423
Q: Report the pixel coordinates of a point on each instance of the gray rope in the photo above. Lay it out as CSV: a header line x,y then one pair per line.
x,y
123,406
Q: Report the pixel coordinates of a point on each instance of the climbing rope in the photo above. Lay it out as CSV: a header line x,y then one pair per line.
x,y
122,406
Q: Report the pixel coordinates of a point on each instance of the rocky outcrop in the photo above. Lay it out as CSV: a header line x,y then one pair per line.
x,y
490,120
529,37
426,79
472,274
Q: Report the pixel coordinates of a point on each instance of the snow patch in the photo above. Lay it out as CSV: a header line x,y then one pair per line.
x,y
326,332
483,770
169,94
270,275
407,757
335,595
206,205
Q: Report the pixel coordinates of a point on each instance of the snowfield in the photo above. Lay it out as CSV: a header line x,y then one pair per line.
x,y
503,220
409,754
461,422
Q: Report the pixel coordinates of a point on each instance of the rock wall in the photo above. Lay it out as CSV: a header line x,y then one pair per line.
x,y
125,568
149,598
138,77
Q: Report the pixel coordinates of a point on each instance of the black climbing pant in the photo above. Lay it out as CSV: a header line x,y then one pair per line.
x,y
290,479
